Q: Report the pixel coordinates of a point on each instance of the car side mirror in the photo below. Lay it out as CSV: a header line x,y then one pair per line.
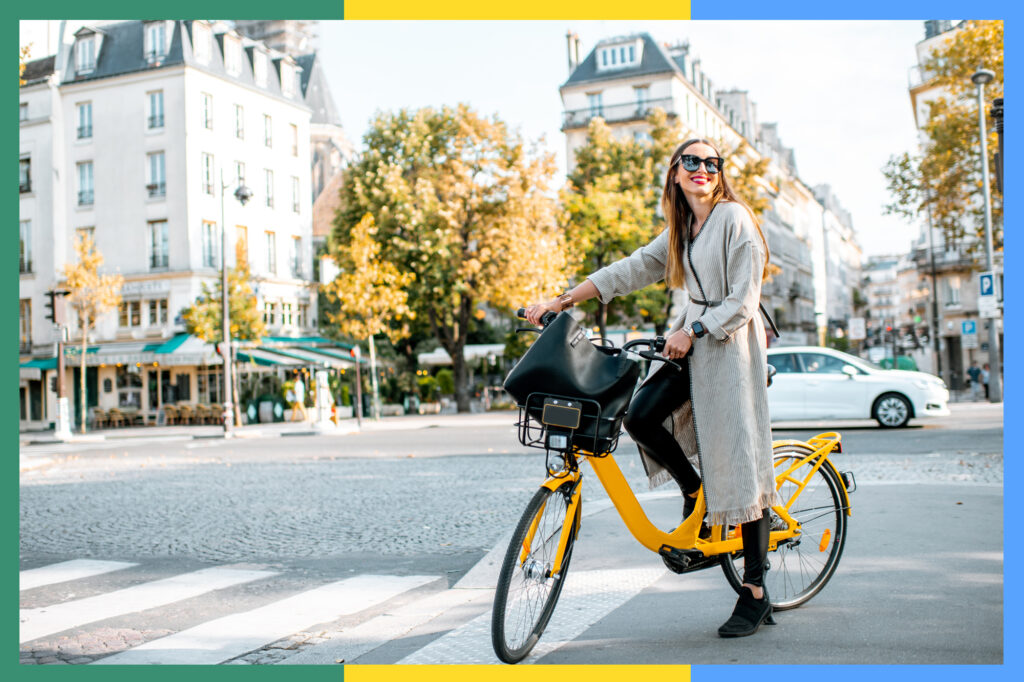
x,y
850,371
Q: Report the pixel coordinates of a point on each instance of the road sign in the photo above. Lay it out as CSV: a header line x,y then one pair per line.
x,y
988,306
969,334
987,283
857,329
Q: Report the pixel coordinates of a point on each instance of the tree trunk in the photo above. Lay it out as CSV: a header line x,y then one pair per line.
x,y
83,398
461,381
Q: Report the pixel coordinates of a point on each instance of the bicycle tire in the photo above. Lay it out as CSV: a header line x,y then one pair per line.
x,y
795,575
526,593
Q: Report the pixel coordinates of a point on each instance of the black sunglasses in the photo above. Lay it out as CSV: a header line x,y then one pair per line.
x,y
690,163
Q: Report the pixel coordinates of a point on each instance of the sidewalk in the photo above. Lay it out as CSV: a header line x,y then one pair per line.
x,y
276,429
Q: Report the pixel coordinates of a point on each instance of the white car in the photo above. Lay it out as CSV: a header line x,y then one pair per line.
x,y
812,382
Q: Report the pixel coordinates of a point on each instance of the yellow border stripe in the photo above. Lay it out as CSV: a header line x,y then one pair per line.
x,y
577,10
509,673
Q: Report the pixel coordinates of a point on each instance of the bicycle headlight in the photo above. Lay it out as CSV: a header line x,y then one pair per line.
x,y
558,441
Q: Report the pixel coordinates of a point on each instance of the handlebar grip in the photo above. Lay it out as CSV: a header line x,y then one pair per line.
x,y
521,313
659,344
651,356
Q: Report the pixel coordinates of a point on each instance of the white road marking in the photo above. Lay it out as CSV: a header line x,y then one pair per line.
x,y
225,638
47,620
365,637
67,570
588,597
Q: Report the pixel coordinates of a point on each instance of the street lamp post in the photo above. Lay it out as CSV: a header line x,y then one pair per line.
x,y
242,194
995,384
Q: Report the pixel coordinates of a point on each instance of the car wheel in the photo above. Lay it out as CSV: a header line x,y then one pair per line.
x,y
892,410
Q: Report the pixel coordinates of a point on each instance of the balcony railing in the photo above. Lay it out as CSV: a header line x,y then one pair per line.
x,y
24,187
84,132
25,265
157,189
157,261
156,121
154,57
85,197
615,113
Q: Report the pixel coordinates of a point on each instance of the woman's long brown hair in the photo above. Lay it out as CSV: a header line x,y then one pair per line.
x,y
677,212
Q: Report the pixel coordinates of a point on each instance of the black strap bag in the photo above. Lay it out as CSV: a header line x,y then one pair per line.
x,y
563,362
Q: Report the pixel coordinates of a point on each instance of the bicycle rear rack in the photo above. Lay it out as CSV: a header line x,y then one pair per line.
x,y
558,433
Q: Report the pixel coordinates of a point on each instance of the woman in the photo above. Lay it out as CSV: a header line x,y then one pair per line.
x,y
714,249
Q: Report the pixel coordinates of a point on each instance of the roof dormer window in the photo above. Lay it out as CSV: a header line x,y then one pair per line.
x,y
85,54
620,55
259,68
201,42
232,55
287,79
156,41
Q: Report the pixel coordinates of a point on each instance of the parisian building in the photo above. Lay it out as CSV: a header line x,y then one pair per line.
x,y
624,78
139,133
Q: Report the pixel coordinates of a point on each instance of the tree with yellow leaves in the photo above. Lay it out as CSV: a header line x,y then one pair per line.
x,y
370,293
945,179
464,205
91,296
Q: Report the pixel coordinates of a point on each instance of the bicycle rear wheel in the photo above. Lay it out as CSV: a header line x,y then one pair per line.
x,y
802,565
527,591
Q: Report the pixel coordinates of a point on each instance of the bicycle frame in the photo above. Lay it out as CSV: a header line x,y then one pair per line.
x,y
685,536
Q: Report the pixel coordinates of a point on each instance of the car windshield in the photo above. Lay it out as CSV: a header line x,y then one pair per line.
x,y
860,363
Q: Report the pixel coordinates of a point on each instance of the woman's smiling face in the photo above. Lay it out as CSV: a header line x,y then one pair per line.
x,y
699,182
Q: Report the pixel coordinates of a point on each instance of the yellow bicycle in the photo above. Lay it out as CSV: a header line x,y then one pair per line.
x,y
808,530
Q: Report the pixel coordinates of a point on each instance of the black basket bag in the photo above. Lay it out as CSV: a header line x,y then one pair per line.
x,y
563,362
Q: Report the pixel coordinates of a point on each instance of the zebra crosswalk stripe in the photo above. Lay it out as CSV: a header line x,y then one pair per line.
x,y
225,638
588,597
47,620
67,570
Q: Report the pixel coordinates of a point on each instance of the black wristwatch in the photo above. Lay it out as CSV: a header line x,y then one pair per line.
x,y
699,329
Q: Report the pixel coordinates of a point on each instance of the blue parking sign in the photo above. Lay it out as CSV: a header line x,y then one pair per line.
x,y
968,327
988,285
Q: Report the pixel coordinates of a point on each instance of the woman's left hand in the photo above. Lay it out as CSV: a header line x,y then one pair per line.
x,y
677,345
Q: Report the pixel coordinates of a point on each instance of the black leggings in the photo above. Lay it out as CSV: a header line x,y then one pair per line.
x,y
658,398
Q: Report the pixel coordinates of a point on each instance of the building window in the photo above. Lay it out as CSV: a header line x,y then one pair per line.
x,y
25,175
25,320
643,96
232,56
240,172
84,120
259,68
268,131
270,187
295,139
595,103
269,313
286,314
157,312
129,386
239,122
201,42
85,55
208,111
156,109
271,252
156,183
208,173
83,233
156,41
25,234
296,257
952,291
211,245
303,316
85,193
295,194
241,246
158,251
23,112
287,79
129,314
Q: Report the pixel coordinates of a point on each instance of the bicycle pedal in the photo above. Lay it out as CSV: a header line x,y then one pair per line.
x,y
685,560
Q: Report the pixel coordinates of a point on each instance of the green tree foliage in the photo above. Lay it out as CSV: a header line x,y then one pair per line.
x,y
463,204
945,179
203,317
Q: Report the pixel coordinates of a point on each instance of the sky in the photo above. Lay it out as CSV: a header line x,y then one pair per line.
x,y
837,89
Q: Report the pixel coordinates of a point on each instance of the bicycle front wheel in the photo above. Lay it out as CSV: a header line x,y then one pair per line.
x,y
527,590
802,565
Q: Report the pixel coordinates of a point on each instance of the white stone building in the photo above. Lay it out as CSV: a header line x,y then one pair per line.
x,y
128,134
624,78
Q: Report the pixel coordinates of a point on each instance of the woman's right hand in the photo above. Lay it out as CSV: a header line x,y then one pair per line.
x,y
535,311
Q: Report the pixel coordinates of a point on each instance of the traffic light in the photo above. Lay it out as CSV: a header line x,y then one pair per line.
x,y
51,306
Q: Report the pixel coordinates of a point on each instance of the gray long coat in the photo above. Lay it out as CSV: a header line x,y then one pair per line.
x,y
724,429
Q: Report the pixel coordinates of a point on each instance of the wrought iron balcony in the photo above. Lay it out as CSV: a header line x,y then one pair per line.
x,y
157,189
84,132
616,113
156,121
85,198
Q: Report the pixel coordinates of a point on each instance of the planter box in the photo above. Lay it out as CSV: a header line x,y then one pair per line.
x,y
430,408
391,410
344,411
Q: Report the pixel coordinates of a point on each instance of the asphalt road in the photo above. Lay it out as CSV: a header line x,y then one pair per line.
x,y
428,502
